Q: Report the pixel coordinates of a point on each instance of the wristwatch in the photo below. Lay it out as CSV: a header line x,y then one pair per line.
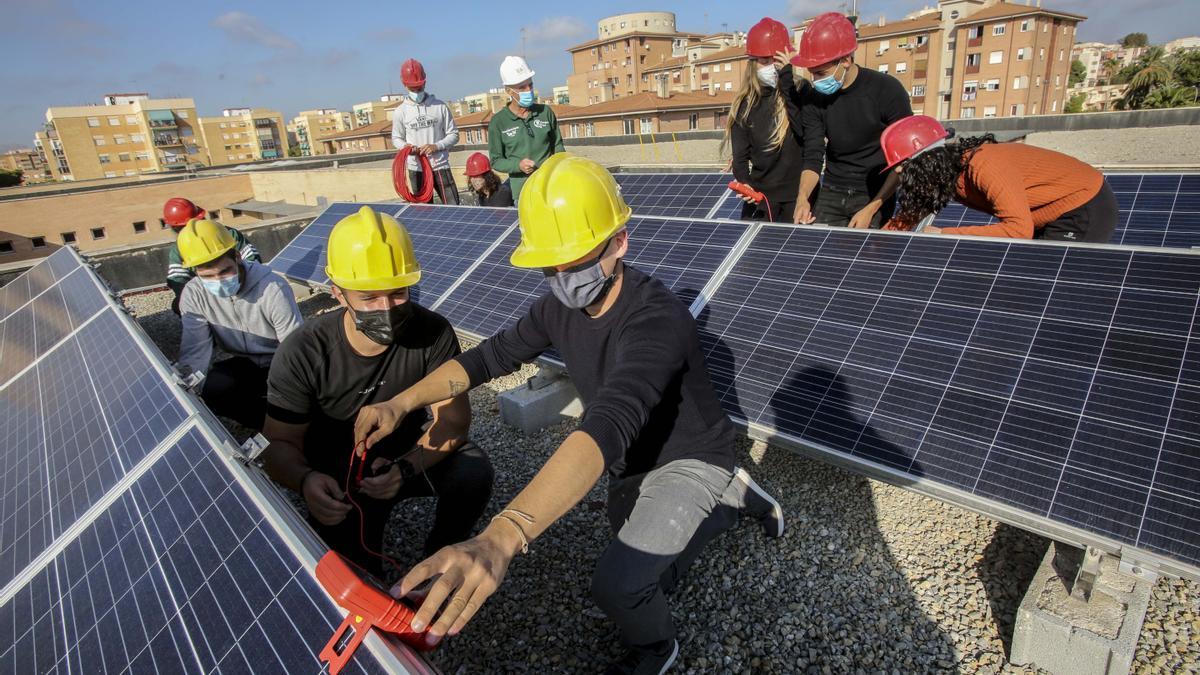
x,y
407,470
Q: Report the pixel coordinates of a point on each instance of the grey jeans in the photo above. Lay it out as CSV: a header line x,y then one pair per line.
x,y
662,520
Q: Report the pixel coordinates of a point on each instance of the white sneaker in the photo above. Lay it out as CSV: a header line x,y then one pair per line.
x,y
761,505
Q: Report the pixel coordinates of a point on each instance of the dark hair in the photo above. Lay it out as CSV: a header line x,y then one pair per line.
x,y
491,183
929,180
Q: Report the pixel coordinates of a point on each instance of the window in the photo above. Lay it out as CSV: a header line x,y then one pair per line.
x,y
97,233
1042,54
975,32
139,226
105,159
992,85
703,69
1025,26
998,29
131,119
221,125
647,125
93,121
922,40
1021,53
1057,80
1045,28
1037,81
236,212
143,156
1060,54
693,121
1016,82
38,242
989,111
110,174
98,140
114,121
902,67
67,237
968,113
119,139
883,67
591,129
996,57
970,87
728,86
918,90
973,60
1054,106
162,224
130,172
627,127
136,138
224,137
728,67
124,156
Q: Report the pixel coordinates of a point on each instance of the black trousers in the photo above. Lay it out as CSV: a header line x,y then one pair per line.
x,y
1093,222
443,184
237,388
775,212
836,206
462,484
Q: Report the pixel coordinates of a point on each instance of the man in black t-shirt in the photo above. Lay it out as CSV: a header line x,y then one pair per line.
x,y
844,115
651,419
374,347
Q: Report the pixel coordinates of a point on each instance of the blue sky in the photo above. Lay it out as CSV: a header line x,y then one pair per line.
x,y
297,55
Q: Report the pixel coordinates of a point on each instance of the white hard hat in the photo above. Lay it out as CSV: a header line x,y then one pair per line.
x,y
514,70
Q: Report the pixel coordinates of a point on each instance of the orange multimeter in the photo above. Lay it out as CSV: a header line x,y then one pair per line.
x,y
743,189
369,605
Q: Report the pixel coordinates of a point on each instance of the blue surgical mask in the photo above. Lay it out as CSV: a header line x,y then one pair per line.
x,y
829,84
581,286
223,288
417,96
525,99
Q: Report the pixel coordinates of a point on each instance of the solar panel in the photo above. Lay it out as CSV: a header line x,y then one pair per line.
x,y
449,239
683,195
683,254
127,540
1154,210
303,258
1063,381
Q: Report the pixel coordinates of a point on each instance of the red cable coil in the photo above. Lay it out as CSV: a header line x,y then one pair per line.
x,y
400,177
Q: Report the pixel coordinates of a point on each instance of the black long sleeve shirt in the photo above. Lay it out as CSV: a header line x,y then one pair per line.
x,y
639,369
843,130
773,171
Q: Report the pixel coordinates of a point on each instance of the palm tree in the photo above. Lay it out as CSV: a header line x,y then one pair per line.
x,y
1110,69
1153,71
1170,96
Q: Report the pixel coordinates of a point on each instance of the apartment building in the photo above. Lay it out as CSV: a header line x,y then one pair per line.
x,y
311,127
370,112
976,58
373,137
488,101
611,66
25,160
647,113
130,134
1095,57
244,135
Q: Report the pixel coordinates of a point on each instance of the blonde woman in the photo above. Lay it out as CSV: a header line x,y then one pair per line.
x,y
764,128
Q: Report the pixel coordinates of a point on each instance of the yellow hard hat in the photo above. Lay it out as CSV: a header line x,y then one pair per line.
x,y
370,251
202,240
568,206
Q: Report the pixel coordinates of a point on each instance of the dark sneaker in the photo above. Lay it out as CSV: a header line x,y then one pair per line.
x,y
761,505
655,661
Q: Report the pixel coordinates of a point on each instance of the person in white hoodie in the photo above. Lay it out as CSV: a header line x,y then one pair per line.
x,y
424,121
240,306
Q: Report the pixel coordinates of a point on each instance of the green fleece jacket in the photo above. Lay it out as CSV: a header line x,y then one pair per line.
x,y
512,139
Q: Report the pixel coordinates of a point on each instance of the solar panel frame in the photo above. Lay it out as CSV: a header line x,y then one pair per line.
x,y
691,195
303,259
1132,552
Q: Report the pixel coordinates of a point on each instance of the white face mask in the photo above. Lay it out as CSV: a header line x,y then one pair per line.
x,y
768,76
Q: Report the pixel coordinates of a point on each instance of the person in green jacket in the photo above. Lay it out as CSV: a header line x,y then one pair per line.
x,y
524,133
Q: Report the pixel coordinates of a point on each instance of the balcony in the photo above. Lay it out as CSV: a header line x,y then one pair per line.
x,y
971,70
166,140
263,122
923,48
975,42
919,74
969,96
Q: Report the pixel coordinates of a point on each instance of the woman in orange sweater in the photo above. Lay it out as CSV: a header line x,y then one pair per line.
x,y
1035,193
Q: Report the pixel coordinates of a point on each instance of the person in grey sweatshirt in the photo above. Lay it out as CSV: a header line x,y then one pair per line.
x,y
247,310
424,121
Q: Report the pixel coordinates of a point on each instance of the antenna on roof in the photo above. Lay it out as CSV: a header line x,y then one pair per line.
x,y
522,41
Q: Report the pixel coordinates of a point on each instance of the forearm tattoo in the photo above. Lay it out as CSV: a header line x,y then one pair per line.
x,y
457,388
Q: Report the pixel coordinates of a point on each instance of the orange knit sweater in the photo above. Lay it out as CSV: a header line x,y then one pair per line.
x,y
1024,187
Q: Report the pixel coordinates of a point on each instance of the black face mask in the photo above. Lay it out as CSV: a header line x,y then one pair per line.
x,y
381,326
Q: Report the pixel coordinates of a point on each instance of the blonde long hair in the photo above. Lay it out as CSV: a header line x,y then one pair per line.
x,y
749,94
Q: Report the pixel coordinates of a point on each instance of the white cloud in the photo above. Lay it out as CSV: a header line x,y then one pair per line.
x,y
242,27
555,29
800,10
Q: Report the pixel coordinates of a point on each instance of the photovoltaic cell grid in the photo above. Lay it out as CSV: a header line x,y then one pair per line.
x,y
181,574
683,254
1064,381
683,195
448,240
1155,210
304,257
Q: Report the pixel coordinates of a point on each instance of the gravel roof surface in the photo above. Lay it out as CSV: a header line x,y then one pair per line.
x,y
868,578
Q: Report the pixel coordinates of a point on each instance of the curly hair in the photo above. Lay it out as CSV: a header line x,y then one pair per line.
x,y
491,183
929,180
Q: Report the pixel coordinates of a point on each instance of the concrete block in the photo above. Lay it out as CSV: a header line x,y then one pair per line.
x,y
545,400
1068,636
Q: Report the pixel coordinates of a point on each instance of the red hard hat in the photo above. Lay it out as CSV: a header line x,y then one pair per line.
x,y
412,74
478,164
767,37
905,138
830,37
178,211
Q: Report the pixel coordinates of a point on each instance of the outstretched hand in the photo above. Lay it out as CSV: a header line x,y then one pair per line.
x,y
375,422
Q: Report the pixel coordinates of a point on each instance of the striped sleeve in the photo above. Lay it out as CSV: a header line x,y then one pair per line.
x,y
244,247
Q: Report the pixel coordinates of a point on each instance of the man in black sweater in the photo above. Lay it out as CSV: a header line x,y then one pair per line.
x,y
651,420
844,116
